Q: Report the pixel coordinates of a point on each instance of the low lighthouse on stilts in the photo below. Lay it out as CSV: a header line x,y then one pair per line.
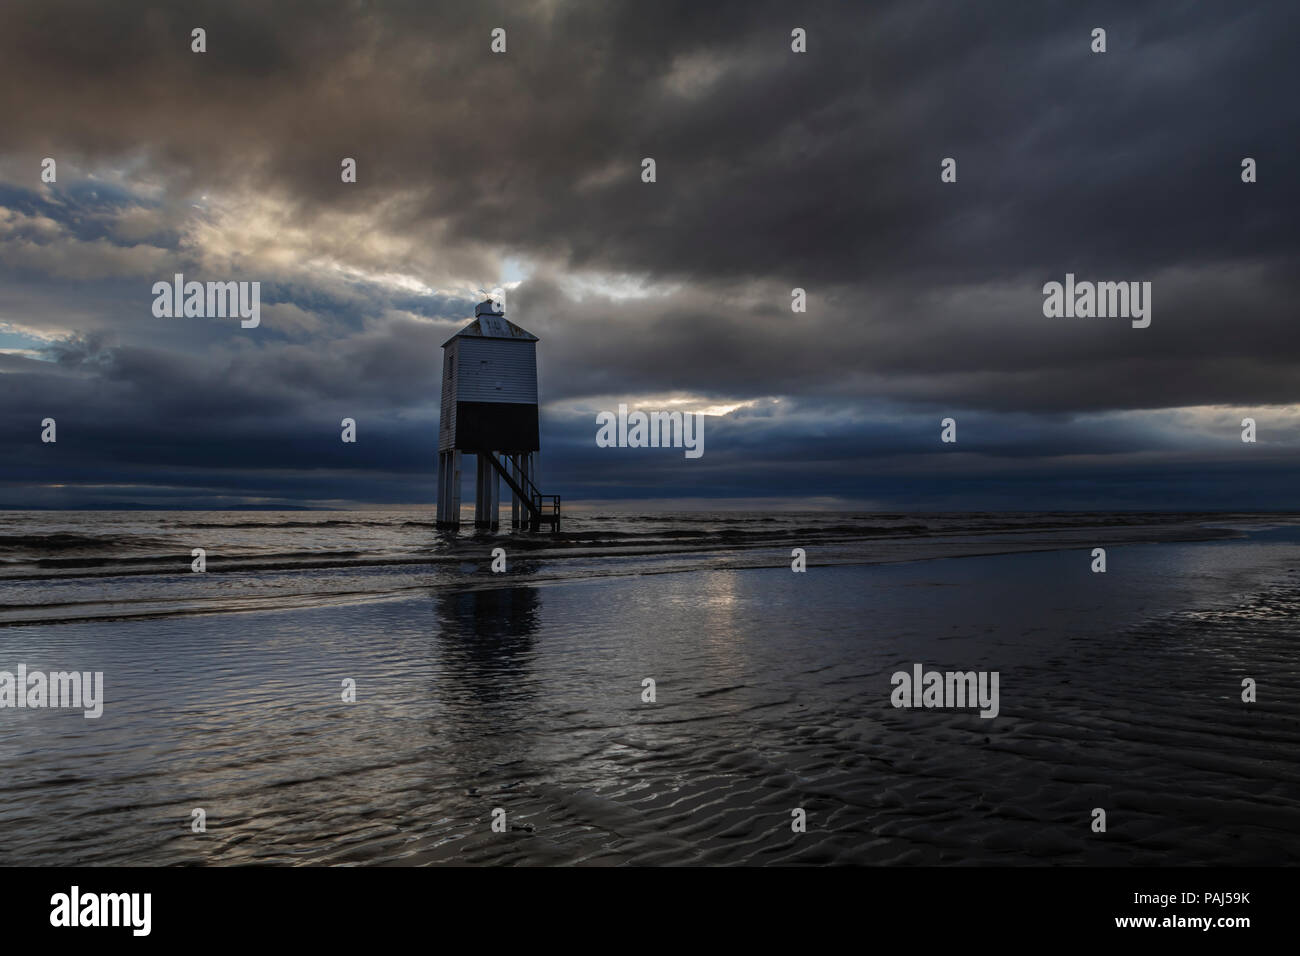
x,y
489,409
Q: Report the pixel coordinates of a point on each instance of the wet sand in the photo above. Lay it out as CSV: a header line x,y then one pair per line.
x,y
1119,691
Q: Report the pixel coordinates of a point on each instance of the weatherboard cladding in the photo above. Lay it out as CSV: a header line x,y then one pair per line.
x,y
447,408
495,370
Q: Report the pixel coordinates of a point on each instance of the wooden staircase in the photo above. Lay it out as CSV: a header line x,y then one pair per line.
x,y
542,509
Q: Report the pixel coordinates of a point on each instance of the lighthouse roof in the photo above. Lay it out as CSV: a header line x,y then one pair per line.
x,y
490,324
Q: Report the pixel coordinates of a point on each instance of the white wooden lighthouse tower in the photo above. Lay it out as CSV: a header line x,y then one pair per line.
x,y
489,409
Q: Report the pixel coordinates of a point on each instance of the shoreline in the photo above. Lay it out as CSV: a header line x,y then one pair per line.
x,y
837,552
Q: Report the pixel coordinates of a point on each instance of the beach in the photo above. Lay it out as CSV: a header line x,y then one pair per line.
x,y
224,691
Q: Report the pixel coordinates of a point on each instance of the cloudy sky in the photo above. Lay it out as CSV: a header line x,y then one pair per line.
x,y
775,170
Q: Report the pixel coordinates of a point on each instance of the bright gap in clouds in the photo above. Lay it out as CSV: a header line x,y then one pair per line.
x,y
579,286
674,403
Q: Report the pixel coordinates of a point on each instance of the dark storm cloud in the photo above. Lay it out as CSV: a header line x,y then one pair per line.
x,y
1219,336
822,166
775,170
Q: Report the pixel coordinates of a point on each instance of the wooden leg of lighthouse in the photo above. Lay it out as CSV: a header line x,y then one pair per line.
x,y
448,515
444,489
530,472
455,489
512,465
480,493
487,496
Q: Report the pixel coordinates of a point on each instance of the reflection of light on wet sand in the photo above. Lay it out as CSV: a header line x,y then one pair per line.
x,y
723,614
